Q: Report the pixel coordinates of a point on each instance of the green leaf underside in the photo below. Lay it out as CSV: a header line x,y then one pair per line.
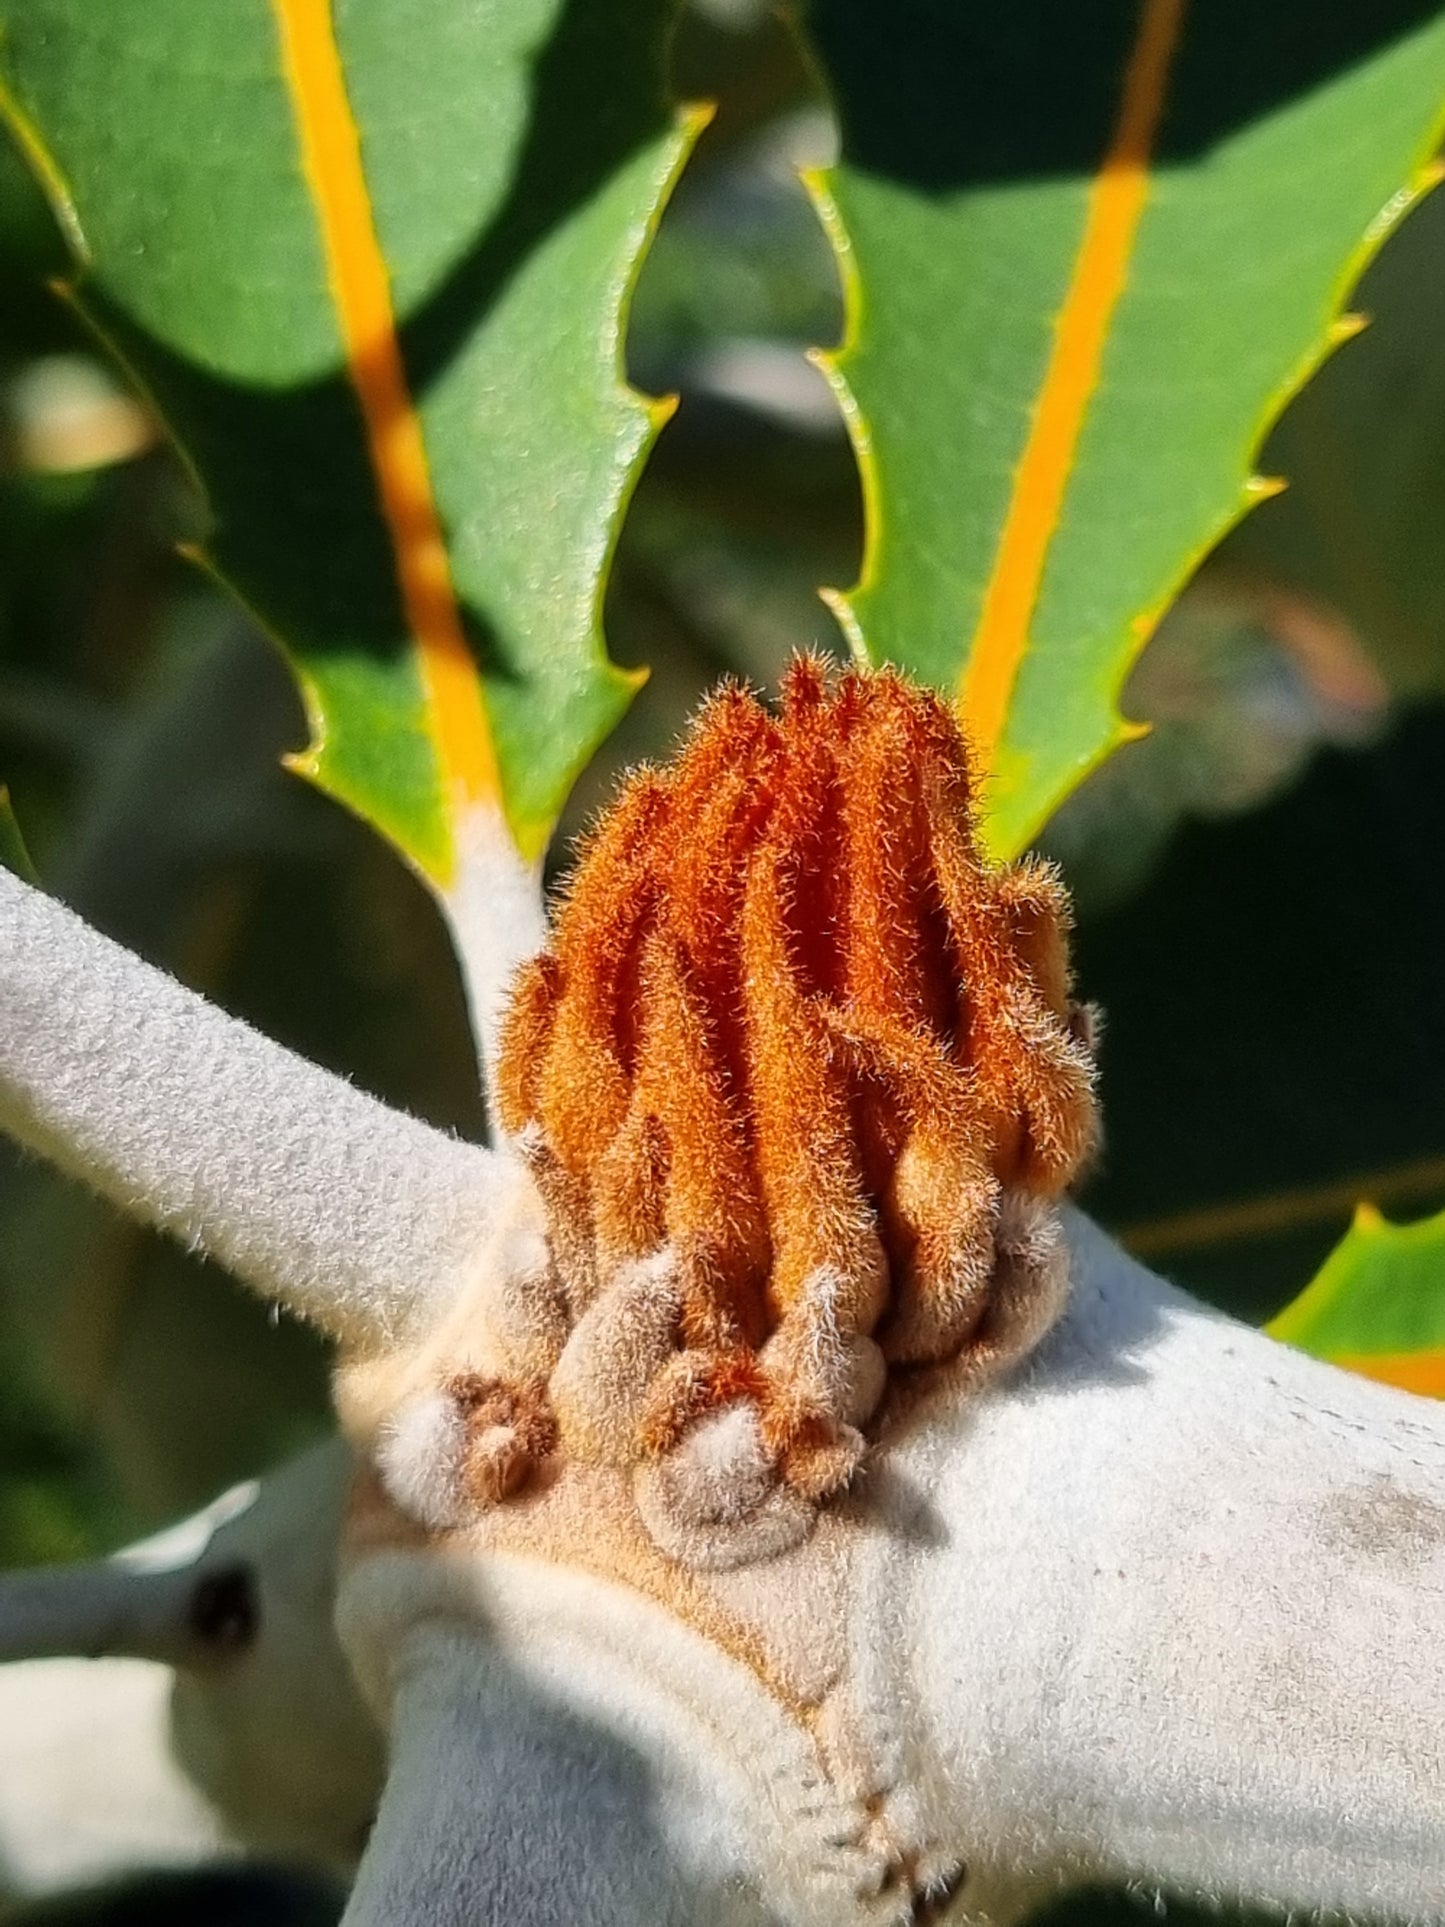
x,y
516,153
1379,1295
970,139
13,854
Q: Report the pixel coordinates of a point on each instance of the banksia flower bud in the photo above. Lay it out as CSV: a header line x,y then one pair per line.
x,y
798,1078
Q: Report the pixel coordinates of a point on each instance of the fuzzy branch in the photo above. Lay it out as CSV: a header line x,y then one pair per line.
x,y
500,1805
344,1210
251,1732
1183,1614
1166,1606
496,916
93,1610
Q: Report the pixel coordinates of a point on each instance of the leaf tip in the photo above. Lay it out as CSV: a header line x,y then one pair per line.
x,y
660,411
1260,488
1346,326
694,117
305,763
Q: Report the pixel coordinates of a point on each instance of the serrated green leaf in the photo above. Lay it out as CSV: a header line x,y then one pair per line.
x,y
1090,253
13,854
1377,1305
370,259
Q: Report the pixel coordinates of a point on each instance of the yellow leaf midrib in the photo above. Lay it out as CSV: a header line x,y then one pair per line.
x,y
1097,280
361,290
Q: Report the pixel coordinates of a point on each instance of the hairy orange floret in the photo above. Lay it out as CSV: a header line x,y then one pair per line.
x,y
797,1043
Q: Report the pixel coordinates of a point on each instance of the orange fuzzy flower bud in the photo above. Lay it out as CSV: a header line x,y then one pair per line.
x,y
795,1032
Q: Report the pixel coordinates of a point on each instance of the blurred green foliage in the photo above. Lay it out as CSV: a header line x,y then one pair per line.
x,y
209,263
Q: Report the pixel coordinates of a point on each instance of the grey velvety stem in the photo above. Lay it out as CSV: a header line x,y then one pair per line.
x,y
257,1738
1166,1605
348,1212
1174,1606
504,1809
495,914
100,1609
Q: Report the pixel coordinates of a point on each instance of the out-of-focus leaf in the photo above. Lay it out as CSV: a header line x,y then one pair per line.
x,y
1378,1303
1364,447
1242,683
30,250
370,260
1271,1050
13,853
53,1498
1090,253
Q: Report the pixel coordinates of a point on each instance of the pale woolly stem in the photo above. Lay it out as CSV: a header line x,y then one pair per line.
x,y
259,1725
1168,1605
1174,1605
349,1213
494,909
89,1611
504,1809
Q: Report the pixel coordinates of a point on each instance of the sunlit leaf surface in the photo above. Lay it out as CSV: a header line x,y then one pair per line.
x,y
1090,252
370,259
1377,1305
